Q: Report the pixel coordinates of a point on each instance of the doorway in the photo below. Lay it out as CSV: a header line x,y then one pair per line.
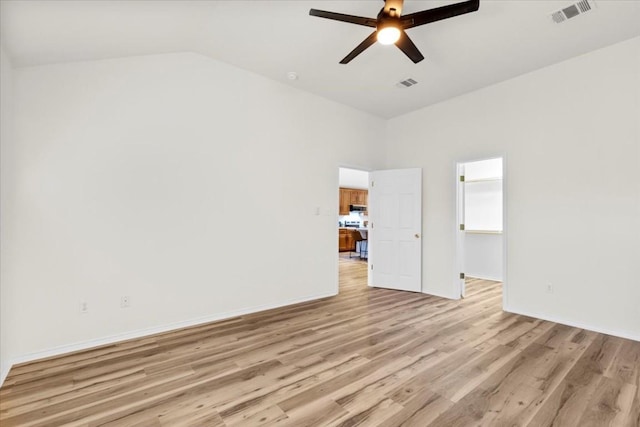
x,y
481,225
391,243
353,220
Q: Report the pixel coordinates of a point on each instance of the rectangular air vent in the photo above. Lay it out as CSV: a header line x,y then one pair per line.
x,y
572,11
407,83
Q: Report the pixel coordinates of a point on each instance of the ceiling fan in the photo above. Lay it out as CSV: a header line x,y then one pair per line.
x,y
390,25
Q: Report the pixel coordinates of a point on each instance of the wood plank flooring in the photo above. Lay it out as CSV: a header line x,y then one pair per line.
x,y
369,357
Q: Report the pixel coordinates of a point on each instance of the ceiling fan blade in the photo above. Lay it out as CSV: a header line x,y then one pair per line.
x,y
360,48
367,22
439,13
393,4
405,44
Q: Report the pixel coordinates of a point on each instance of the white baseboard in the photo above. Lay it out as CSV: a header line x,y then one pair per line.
x,y
139,333
622,334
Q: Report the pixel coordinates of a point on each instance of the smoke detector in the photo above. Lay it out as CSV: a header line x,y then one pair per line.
x,y
572,11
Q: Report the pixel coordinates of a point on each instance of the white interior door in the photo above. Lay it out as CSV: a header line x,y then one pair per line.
x,y
395,229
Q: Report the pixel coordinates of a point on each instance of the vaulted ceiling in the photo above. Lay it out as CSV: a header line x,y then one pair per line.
x,y
502,40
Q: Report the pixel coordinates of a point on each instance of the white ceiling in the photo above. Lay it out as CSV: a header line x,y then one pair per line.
x,y
502,40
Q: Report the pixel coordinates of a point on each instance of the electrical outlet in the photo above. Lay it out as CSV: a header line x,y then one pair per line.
x,y
125,302
84,307
549,288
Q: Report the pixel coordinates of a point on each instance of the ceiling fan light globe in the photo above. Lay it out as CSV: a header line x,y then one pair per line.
x,y
388,35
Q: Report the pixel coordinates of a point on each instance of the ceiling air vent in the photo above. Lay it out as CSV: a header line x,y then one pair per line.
x,y
406,83
572,11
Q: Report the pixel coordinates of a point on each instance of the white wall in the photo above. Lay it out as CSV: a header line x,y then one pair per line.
x,y
483,205
570,134
7,196
169,179
483,256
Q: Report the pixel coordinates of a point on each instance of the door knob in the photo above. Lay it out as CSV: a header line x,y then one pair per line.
x,y
417,236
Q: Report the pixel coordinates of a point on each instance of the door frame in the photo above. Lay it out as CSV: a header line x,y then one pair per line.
x,y
459,236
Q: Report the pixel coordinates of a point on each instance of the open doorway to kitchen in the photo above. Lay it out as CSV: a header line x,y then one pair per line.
x,y
481,229
353,220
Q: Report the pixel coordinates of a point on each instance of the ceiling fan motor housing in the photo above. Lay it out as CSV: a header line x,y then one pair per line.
x,y
388,21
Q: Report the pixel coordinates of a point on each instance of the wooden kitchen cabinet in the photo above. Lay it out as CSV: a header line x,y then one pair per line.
x,y
351,196
342,240
345,240
358,197
345,201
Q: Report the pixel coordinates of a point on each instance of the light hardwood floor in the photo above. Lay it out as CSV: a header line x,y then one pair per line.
x,y
366,357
